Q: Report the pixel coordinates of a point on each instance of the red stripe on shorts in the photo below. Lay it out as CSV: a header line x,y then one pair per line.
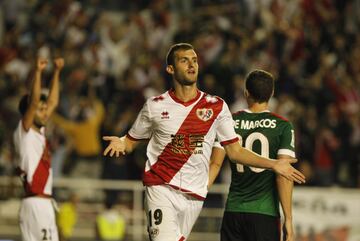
x,y
171,160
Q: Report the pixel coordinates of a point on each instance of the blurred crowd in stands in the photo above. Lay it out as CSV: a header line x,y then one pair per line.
x,y
115,59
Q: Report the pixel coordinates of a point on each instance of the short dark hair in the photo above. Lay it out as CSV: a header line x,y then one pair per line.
x,y
260,85
170,57
24,103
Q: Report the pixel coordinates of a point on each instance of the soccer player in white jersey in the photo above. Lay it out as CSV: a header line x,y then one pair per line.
x,y
37,216
181,126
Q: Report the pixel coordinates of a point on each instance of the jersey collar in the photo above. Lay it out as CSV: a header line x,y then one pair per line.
x,y
172,95
249,111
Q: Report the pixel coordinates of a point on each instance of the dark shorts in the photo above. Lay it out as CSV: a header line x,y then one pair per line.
x,y
249,227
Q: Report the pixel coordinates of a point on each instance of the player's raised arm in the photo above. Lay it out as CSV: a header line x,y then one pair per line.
x,y
281,166
34,98
119,145
53,98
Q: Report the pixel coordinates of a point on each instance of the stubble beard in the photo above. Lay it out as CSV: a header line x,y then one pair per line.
x,y
39,123
184,80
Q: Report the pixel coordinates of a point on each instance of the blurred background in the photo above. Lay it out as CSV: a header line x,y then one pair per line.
x,y
115,58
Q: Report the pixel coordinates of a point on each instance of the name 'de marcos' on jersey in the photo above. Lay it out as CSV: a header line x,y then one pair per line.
x,y
249,124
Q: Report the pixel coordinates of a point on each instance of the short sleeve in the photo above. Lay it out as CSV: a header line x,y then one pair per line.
x,y
287,141
141,128
225,132
19,137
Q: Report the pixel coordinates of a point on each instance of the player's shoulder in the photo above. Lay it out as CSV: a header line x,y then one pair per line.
x,y
214,99
159,102
20,130
279,117
281,120
239,113
158,98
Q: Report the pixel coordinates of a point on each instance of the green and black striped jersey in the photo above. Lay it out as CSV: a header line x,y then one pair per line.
x,y
253,190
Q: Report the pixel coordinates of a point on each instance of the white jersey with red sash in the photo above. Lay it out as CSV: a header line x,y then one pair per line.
x,y
34,161
181,139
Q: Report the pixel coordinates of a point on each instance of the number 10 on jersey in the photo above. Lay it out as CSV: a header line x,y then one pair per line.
x,y
249,143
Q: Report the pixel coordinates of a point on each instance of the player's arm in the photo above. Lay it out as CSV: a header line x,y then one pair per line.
x,y
284,186
216,161
53,98
34,97
119,145
285,189
281,166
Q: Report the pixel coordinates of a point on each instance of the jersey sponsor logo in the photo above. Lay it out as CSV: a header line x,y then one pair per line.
x,y
187,144
165,114
204,114
248,125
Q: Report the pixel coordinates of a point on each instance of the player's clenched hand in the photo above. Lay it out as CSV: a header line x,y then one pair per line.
x,y
41,63
59,63
284,168
116,146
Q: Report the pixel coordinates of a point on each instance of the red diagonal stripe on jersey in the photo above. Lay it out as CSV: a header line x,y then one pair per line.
x,y
169,162
41,174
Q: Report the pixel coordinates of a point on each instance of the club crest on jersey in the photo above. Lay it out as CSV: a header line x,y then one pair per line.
x,y
204,114
153,232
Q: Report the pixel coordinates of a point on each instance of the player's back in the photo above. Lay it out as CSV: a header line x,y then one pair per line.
x,y
254,189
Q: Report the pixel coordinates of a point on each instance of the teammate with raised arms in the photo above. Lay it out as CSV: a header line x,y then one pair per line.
x,y
37,216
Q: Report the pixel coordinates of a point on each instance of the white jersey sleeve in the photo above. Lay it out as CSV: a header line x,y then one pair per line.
x,y
18,136
225,132
142,127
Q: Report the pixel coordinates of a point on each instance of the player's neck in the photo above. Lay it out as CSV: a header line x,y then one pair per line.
x,y
36,128
258,107
185,93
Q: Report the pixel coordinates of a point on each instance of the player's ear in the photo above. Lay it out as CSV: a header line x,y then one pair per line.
x,y
170,69
246,93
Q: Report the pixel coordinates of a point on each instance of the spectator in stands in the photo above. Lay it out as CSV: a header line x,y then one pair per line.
x,y
67,217
110,224
84,133
301,37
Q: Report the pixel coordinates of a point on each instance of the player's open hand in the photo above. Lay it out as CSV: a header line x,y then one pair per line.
x,y
116,146
59,63
41,63
284,168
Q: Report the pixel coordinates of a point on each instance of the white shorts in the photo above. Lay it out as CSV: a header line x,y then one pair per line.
x,y
37,220
171,214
